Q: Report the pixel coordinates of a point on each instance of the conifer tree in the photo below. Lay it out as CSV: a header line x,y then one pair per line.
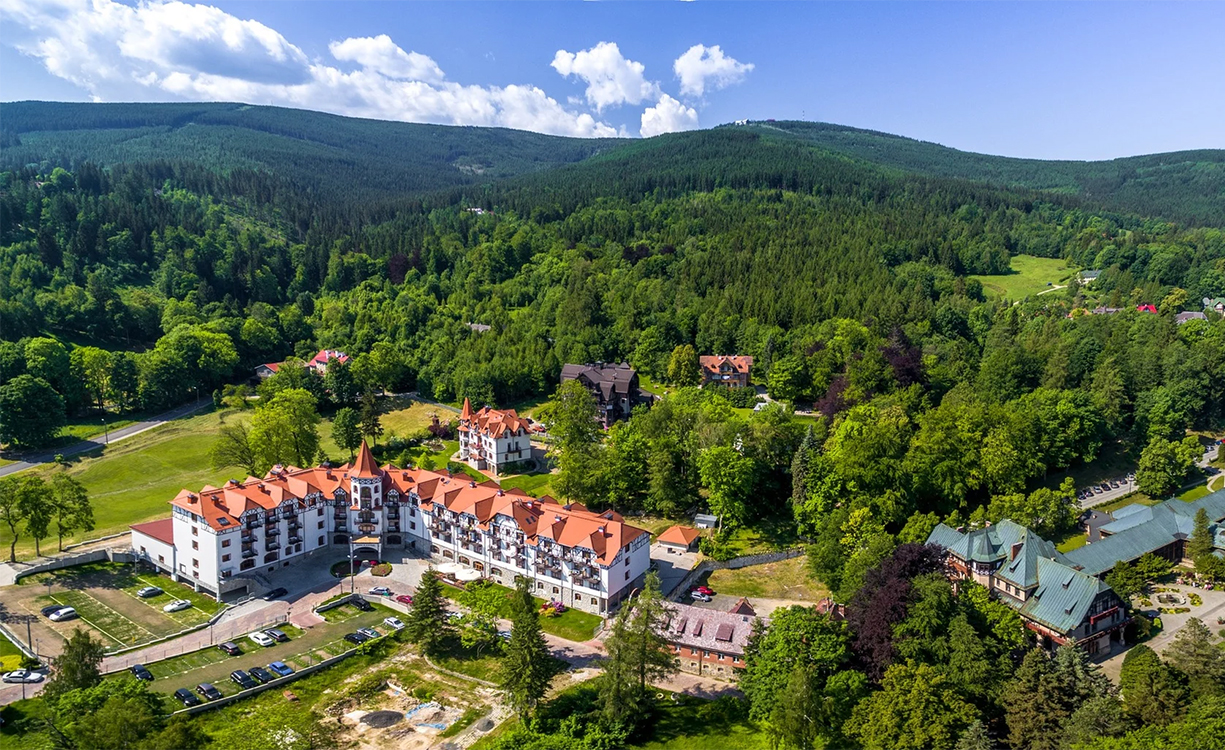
x,y
426,624
638,654
528,666
1033,704
794,722
1194,654
1152,692
371,423
975,738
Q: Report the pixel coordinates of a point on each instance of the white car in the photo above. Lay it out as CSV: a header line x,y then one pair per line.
x,y
261,639
67,613
380,591
504,635
23,675
393,622
177,605
698,596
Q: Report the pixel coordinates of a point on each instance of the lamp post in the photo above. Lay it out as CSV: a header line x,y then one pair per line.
x,y
105,431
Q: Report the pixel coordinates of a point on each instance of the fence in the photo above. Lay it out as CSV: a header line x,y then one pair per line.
x,y
707,566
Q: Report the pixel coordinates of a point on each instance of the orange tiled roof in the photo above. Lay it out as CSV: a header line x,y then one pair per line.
x,y
365,465
540,519
712,364
679,535
488,421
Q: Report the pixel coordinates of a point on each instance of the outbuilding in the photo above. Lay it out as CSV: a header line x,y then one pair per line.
x,y
679,539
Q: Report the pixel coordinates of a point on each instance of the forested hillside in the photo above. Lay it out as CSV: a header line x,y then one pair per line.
x,y
339,159
1183,186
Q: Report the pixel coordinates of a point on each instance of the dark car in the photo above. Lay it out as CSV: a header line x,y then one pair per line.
x,y
363,605
356,639
277,592
209,692
139,671
46,611
230,648
261,674
281,668
184,696
275,634
242,679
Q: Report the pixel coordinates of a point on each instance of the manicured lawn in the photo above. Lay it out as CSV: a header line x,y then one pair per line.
x,y
573,625
1030,275
787,579
1073,539
404,417
768,535
10,655
134,480
533,484
1195,493
656,524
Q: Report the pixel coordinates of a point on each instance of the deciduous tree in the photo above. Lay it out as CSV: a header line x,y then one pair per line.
x,y
71,510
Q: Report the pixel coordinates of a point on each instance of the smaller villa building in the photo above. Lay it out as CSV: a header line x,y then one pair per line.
x,y
490,439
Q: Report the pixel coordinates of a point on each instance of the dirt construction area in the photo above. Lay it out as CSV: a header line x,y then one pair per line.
x,y
104,596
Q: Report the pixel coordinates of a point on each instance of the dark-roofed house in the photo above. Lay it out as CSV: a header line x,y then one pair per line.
x,y
708,642
615,387
1054,599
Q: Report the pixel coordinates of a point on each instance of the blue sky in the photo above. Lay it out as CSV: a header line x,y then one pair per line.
x,y
1046,80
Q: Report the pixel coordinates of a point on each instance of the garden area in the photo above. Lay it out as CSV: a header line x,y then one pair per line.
x,y
786,579
573,625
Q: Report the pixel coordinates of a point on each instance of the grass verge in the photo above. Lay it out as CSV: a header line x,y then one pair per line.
x,y
786,579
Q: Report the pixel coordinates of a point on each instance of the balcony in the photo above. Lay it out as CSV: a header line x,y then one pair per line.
x,y
472,547
248,553
272,531
295,539
341,527
367,528
394,527
272,546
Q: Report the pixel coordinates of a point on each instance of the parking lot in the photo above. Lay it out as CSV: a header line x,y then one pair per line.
x,y
304,648
1106,491
105,598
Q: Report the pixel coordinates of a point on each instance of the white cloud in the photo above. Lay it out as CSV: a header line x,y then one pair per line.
x,y
611,78
701,67
380,54
199,52
668,116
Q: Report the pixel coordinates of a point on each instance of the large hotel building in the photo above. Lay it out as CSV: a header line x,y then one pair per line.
x,y
219,538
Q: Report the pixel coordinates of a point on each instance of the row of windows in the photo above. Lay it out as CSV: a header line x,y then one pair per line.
x,y
706,654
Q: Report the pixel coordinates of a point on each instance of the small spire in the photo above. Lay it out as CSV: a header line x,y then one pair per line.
x,y
365,465
466,413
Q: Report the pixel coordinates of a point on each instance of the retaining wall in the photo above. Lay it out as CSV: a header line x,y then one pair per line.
x,y
707,566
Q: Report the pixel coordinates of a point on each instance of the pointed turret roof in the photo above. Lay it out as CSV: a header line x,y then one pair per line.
x,y
466,413
365,465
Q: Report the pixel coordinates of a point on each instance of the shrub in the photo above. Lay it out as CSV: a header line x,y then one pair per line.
x,y
382,569
1196,599
716,550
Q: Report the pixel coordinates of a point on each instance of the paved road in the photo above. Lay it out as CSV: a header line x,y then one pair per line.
x,y
1126,487
115,436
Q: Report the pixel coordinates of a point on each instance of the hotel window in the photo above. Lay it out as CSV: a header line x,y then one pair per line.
x,y
578,597
182,568
693,651
225,558
320,540
319,512
555,591
195,531
321,524
627,575
225,542
706,654
195,545
195,563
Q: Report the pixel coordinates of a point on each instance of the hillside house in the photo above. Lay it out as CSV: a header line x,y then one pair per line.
x,y
615,387
728,372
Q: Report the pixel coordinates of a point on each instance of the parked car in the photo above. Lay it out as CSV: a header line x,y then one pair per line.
x,y
405,599
453,616
277,635
277,592
261,674
61,614
208,691
242,679
184,696
140,672
705,590
261,639
362,604
394,623
46,611
230,648
504,635
148,592
370,633
356,639
177,605
699,596
280,668
23,675
381,591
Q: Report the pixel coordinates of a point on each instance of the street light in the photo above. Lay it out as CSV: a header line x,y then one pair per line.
x,y
105,431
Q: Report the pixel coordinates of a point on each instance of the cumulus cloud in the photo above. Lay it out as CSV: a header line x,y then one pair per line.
x,y
380,54
611,79
668,116
199,52
702,67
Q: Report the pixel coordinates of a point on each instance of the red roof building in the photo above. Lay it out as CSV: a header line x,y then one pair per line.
x,y
729,372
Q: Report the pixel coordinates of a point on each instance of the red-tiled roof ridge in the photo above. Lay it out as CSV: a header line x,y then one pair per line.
x,y
679,535
466,412
742,607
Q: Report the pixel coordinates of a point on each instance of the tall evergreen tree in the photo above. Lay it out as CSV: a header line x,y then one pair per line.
x,y
794,723
975,738
426,623
1034,705
1153,693
1195,655
528,666
638,654
799,467
371,422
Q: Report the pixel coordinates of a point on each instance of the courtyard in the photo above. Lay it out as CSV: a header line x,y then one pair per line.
x,y
1172,597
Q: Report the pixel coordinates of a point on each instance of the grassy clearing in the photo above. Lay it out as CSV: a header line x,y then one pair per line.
x,y
1030,275
134,480
1195,493
535,485
573,625
486,665
769,535
1073,539
787,579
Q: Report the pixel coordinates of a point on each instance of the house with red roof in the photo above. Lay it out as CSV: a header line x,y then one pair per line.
x,y
317,364
218,538
490,439
728,372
